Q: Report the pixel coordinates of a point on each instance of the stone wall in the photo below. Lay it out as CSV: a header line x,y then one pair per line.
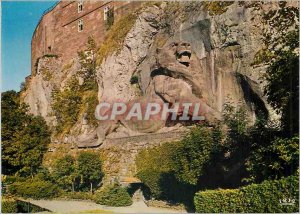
x,y
119,154
57,32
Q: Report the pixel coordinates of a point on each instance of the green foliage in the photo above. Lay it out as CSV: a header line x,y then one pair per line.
x,y
66,105
191,158
134,80
282,90
281,39
34,188
259,150
110,18
24,137
237,143
280,27
154,165
87,60
218,201
64,172
255,198
77,195
75,99
278,159
172,171
89,168
8,205
113,195
50,55
262,56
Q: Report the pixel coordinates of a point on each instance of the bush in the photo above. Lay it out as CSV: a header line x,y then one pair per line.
x,y
282,161
34,188
8,205
134,80
255,198
77,195
114,196
153,164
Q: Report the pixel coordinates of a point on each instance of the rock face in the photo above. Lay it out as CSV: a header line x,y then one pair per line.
x,y
178,52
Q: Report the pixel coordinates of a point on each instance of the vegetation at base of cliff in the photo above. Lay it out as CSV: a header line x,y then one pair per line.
x,y
113,195
89,168
8,205
24,137
217,7
34,188
77,98
267,197
210,158
82,173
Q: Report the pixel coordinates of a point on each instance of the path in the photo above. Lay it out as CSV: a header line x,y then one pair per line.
x,y
62,206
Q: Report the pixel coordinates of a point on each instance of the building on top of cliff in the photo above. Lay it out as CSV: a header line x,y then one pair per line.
x,y
65,27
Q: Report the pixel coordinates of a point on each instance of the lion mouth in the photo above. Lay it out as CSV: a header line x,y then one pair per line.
x,y
184,57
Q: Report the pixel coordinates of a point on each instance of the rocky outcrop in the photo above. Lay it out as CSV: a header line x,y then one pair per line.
x,y
178,52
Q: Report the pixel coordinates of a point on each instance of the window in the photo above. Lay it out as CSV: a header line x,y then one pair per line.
x,y
80,25
80,6
106,10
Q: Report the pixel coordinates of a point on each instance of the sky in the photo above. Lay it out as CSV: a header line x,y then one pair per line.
x,y
19,19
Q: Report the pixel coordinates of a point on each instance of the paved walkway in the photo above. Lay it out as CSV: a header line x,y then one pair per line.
x,y
61,206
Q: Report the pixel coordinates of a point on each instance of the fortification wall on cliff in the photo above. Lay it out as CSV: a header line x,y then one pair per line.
x,y
57,32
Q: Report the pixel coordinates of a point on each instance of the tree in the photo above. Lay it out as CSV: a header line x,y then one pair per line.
x,y
24,137
281,39
89,167
193,155
278,159
282,90
65,172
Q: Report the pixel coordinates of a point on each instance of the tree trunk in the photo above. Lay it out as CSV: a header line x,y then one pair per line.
x,y
91,187
72,186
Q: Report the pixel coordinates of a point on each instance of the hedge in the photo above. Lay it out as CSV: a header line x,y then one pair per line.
x,y
9,205
254,198
113,195
36,189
